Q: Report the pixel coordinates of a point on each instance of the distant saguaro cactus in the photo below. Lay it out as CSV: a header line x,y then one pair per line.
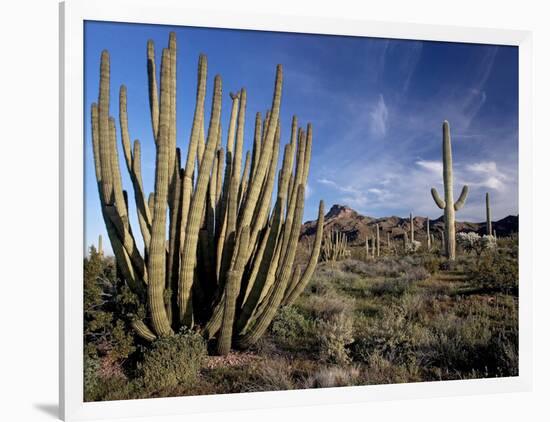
x,y
448,205
412,227
377,240
429,240
100,245
488,215
217,257
335,246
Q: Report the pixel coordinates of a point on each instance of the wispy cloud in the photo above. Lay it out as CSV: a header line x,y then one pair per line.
x,y
379,117
432,166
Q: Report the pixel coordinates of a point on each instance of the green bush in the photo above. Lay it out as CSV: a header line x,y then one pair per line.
x,y
291,329
106,306
391,287
431,263
91,379
172,361
497,271
392,336
334,335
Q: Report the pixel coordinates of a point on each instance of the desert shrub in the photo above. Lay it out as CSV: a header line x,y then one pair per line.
x,y
334,376
413,306
455,343
333,335
382,371
91,378
391,287
355,266
291,329
392,336
273,375
414,274
497,271
171,361
431,263
328,306
106,303
326,278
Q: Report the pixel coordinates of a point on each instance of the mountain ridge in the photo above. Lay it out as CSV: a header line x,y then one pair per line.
x,y
357,226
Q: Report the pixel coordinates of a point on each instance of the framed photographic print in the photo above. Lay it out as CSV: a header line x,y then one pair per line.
x,y
275,212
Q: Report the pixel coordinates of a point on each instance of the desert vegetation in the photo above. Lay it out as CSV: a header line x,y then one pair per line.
x,y
233,292
397,318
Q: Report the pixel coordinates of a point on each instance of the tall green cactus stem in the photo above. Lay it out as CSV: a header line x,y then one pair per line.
x,y
388,242
298,287
411,222
153,89
366,247
157,253
231,292
428,236
189,255
377,240
100,245
133,165
448,205
488,215
266,313
198,117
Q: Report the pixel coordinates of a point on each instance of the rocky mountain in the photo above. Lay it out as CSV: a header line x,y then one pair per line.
x,y
357,226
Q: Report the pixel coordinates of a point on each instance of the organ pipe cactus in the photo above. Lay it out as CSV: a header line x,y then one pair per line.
x,y
335,246
448,204
217,257
489,227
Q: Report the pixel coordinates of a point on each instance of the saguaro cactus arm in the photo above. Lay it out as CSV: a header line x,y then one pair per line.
x,y
462,198
439,202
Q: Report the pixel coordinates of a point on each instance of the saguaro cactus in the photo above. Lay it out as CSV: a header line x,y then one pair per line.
x,y
217,257
377,240
448,205
411,220
428,237
100,245
488,212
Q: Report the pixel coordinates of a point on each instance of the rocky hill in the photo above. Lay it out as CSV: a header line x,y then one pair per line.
x,y
357,226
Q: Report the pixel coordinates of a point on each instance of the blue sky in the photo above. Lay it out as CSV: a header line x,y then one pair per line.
x,y
376,106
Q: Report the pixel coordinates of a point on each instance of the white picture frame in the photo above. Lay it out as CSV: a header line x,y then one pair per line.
x,y
73,13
